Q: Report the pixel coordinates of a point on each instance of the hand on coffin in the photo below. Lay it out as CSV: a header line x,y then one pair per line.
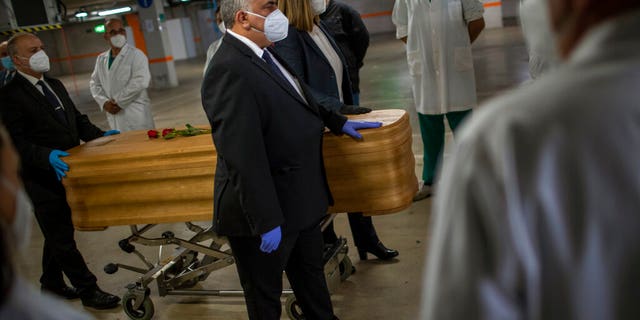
x,y
57,164
349,109
271,240
351,127
111,132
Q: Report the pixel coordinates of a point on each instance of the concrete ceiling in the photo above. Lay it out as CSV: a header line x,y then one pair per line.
x,y
92,5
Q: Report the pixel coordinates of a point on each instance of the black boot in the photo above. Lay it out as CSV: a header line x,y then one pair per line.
x,y
366,238
378,250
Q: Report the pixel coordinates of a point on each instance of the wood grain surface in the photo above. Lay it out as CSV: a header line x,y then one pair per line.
x,y
131,179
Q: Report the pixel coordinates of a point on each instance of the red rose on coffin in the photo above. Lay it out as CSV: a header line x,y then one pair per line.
x,y
165,132
171,133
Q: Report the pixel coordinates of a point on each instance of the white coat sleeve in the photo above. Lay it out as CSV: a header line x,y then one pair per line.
x,y
472,10
97,91
471,270
400,18
139,81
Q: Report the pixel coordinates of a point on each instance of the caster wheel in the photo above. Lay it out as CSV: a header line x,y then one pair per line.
x,y
293,308
145,312
346,268
111,268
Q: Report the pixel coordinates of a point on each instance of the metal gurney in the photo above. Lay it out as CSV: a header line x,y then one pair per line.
x,y
129,179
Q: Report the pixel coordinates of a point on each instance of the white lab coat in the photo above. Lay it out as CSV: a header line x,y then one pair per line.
x,y
536,28
126,83
537,212
439,52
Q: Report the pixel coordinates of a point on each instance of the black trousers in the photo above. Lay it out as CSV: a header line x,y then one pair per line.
x,y
60,253
300,256
362,229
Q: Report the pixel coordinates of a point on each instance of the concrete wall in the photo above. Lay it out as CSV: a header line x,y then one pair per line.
x,y
376,14
75,48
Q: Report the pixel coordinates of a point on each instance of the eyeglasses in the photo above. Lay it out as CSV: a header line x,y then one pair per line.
x,y
116,32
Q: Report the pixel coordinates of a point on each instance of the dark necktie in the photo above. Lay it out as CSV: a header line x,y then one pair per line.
x,y
267,58
57,107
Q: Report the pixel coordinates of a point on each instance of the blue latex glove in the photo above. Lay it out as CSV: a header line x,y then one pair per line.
x,y
351,127
271,240
57,164
110,133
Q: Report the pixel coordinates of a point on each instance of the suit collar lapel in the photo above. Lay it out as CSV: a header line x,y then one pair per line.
x,y
42,101
283,83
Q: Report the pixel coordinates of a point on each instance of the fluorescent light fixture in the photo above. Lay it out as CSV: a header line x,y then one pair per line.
x,y
114,11
81,15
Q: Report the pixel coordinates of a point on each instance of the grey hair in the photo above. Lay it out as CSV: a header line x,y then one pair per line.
x,y
12,48
228,9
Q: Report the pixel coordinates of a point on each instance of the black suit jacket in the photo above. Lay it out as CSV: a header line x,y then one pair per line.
x,y
270,170
307,60
350,34
36,131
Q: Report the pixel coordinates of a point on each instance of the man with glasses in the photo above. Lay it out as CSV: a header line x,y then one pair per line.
x,y
119,82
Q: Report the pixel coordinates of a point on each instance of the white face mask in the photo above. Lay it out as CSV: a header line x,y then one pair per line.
x,y
39,62
23,220
276,25
118,41
319,6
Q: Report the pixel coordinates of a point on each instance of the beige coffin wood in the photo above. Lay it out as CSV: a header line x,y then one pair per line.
x,y
131,179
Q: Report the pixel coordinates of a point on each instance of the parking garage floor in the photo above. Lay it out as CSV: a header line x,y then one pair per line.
x,y
378,290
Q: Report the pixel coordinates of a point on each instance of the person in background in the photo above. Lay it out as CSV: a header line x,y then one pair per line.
x,y
438,35
120,80
537,212
213,47
271,191
7,71
352,37
536,29
43,122
18,299
317,60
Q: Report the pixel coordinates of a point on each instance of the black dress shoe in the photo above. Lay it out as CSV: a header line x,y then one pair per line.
x,y
63,292
98,299
379,250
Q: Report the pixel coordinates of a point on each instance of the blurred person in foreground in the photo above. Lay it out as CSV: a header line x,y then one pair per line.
x,y
43,122
537,215
18,299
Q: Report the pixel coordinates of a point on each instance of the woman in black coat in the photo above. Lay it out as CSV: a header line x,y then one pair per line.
x,y
316,58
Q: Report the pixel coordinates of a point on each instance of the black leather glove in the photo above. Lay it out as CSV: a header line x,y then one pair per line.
x,y
349,109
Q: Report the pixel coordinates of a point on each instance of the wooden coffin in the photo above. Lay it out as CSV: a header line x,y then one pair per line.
x,y
132,179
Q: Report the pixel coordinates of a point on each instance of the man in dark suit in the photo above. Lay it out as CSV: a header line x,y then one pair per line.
x,y
270,182
43,122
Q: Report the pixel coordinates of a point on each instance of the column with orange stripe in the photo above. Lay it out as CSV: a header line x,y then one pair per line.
x,y
156,40
493,13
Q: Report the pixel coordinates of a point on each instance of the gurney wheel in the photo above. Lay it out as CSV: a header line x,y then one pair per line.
x,y
346,268
293,308
145,312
